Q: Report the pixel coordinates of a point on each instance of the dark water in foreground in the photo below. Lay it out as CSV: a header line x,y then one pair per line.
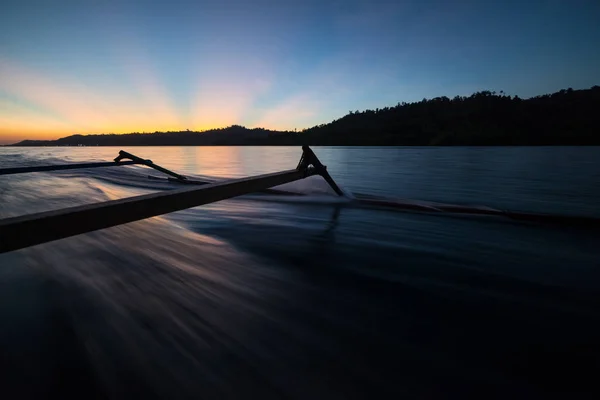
x,y
310,297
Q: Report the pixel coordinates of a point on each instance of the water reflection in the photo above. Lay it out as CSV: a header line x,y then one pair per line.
x,y
188,157
531,179
220,161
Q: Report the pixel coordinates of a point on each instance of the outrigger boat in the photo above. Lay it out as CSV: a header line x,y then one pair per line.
x,y
32,229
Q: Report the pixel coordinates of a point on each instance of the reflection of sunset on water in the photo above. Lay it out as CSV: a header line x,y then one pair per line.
x,y
231,161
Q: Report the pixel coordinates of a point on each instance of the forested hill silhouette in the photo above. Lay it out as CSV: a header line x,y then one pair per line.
x,y
567,117
484,118
232,135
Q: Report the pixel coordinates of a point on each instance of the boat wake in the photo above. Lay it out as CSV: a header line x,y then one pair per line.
x,y
301,294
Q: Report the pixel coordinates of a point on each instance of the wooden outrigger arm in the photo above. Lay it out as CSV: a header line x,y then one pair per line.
x,y
29,230
116,163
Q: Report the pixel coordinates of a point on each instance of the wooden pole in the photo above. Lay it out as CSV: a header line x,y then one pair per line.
x,y
29,230
44,168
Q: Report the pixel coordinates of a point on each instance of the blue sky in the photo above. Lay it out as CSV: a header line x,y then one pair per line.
x,y
119,66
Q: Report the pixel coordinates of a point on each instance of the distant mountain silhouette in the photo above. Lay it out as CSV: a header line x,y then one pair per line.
x,y
567,117
233,135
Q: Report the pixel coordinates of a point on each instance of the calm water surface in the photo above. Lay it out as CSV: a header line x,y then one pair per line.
x,y
310,297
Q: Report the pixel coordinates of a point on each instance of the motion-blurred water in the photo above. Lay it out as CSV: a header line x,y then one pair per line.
x,y
308,297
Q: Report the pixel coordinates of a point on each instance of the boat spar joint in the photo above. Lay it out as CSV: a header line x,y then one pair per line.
x,y
310,158
123,155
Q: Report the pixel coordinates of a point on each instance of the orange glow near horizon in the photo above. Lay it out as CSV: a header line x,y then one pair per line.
x,y
37,107
76,67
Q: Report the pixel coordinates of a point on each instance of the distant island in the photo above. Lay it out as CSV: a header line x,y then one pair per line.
x,y
567,117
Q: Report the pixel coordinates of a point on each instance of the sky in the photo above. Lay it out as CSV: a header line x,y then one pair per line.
x,y
117,66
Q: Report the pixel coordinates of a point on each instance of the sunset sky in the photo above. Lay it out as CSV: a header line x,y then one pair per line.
x,y
77,66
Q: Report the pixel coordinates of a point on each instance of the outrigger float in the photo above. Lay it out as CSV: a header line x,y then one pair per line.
x,y
32,229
